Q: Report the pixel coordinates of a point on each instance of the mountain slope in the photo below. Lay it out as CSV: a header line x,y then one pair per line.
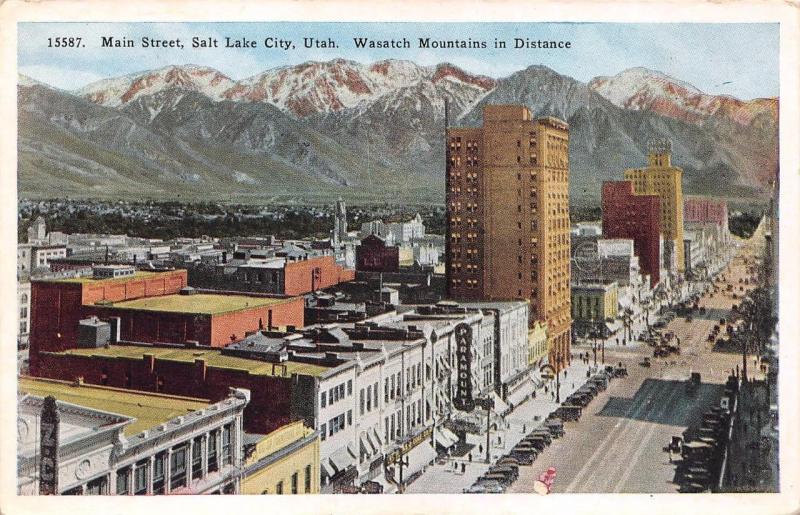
x,y
373,131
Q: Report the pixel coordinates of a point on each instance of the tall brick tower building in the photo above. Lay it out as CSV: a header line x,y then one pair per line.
x,y
662,179
508,216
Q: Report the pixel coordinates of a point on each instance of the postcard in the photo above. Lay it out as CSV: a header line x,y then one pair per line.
x,y
313,255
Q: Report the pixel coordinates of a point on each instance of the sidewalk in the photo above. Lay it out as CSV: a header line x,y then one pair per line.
x,y
527,415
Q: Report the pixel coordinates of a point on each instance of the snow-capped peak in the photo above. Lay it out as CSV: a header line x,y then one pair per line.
x,y
121,90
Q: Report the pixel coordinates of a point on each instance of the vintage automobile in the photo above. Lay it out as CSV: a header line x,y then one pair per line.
x,y
544,434
645,362
569,412
555,426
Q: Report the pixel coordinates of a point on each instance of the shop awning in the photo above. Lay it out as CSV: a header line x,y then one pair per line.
x,y
376,438
341,459
499,405
371,447
445,437
520,394
327,470
418,457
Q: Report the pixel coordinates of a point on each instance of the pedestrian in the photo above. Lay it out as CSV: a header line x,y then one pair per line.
x,y
534,394
523,427
545,389
455,465
463,467
480,449
573,385
470,457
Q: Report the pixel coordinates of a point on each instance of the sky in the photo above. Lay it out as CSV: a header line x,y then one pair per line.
x,y
735,59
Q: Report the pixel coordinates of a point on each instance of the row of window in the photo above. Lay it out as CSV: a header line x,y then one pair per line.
x,y
178,466
371,398
294,483
336,424
335,394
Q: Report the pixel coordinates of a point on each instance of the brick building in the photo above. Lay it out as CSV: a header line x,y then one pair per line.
x,y
289,275
635,217
508,229
705,210
150,308
660,178
373,255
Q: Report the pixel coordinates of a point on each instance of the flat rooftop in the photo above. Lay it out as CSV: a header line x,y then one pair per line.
x,y
213,358
139,274
148,409
198,303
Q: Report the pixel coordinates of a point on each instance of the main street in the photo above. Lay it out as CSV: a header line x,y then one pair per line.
x,y
617,444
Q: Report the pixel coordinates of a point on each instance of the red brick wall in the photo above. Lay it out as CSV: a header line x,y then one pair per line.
x,y
164,283
697,209
156,327
56,307
635,217
288,312
298,275
55,311
270,397
374,256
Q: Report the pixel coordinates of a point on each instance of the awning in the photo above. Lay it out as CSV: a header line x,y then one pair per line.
x,y
327,471
418,457
341,459
520,394
371,447
377,439
499,405
445,437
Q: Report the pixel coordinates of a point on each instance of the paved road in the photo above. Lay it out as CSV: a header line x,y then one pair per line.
x,y
617,445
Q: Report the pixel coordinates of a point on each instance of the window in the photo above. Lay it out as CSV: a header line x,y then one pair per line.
x,y
349,387
341,391
361,402
197,457
375,395
122,481
369,398
393,388
294,483
322,399
227,456
178,467
330,396
386,390
386,429
322,435
308,479
158,473
279,488
140,478
349,417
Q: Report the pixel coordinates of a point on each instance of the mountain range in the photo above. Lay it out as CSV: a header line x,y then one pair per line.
x,y
368,132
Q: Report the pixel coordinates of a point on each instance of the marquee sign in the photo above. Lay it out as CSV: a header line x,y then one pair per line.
x,y
48,462
407,446
463,398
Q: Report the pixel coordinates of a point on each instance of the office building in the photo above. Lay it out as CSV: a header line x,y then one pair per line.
x,y
660,178
508,229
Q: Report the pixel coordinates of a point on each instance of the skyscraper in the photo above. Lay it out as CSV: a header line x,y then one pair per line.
x,y
508,223
662,179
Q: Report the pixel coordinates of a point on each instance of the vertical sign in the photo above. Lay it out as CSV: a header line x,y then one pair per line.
x,y
463,399
48,462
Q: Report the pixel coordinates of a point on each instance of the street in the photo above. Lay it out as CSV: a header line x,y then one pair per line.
x,y
617,444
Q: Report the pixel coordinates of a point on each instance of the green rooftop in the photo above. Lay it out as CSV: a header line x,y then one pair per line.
x,y
197,304
148,409
214,358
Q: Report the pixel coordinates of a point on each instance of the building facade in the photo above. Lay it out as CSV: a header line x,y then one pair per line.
x,y
118,442
285,461
508,226
637,217
662,179
593,305
373,255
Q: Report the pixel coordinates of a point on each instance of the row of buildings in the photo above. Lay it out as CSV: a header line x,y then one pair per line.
x,y
366,388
